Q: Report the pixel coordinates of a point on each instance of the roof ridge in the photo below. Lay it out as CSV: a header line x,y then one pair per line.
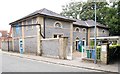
x,y
51,11
86,23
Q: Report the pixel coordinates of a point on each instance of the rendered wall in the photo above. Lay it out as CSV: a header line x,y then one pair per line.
x,y
100,32
4,45
66,30
55,47
16,36
50,47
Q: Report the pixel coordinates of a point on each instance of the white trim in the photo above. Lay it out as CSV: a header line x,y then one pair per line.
x,y
50,39
110,37
59,23
76,29
77,38
84,29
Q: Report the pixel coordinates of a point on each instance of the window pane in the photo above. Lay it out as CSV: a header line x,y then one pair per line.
x,y
55,36
77,29
58,25
60,36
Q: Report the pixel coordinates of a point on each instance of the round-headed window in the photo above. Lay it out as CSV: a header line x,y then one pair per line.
x,y
58,25
77,29
84,30
103,31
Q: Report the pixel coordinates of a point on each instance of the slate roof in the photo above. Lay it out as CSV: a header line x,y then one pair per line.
x,y
46,12
88,23
80,23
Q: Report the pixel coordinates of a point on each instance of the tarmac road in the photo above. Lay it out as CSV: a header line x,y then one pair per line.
x,y
17,64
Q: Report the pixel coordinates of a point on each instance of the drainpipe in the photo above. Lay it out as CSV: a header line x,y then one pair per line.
x,y
41,32
44,26
43,35
8,41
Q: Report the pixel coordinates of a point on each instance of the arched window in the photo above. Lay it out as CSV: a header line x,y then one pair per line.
x,y
84,30
77,29
103,31
58,24
77,38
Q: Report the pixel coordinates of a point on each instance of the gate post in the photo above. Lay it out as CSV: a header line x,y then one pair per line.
x,y
105,53
63,47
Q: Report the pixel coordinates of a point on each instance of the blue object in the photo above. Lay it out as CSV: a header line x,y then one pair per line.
x,y
21,47
80,45
21,51
17,29
93,54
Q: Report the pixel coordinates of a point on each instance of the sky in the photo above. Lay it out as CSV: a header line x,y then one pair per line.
x,y
12,10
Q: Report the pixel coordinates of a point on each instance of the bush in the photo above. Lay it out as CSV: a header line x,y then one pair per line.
x,y
114,51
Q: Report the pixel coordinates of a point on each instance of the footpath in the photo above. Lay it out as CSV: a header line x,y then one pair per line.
x,y
74,63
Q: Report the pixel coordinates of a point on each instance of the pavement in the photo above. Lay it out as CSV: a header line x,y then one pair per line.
x,y
74,63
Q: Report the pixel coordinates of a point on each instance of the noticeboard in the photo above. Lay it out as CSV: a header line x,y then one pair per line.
x,y
104,48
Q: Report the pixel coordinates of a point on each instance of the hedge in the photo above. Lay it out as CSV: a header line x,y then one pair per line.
x,y
114,51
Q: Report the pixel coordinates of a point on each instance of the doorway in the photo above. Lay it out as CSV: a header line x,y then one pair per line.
x,y
77,49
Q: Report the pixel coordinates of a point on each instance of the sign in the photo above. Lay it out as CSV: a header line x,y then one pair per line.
x,y
104,47
21,46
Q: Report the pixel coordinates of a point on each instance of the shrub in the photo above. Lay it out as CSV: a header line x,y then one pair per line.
x,y
114,51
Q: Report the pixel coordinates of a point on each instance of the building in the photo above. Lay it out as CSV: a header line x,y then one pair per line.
x,y
6,40
28,31
41,24
84,31
3,35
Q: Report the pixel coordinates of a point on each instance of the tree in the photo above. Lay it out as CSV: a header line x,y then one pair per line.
x,y
72,9
107,15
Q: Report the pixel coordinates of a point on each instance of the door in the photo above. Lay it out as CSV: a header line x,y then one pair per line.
x,y
84,44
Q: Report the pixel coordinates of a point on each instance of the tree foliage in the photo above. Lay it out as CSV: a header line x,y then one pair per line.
x,y
106,14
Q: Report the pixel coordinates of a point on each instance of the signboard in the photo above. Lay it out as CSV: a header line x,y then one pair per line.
x,y
104,47
21,46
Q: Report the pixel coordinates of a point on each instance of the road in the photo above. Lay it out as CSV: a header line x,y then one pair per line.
x,y
17,64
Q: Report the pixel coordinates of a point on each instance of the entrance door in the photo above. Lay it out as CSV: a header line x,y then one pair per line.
x,y
84,44
77,46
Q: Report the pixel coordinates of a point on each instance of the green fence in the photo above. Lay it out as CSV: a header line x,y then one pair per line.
x,y
98,53
90,53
